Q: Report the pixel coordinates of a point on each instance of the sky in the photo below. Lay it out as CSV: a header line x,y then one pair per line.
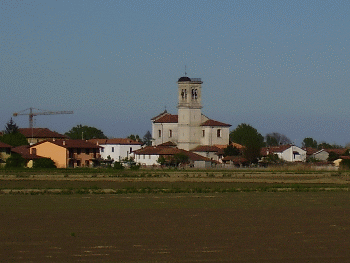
x,y
279,66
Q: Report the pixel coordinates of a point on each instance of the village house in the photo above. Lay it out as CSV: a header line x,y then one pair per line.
x,y
189,128
68,153
149,156
288,153
116,149
35,135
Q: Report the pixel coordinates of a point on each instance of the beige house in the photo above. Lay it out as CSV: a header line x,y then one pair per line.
x,y
35,135
189,128
68,153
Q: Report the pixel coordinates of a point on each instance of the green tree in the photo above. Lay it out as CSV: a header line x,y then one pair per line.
x,y
275,139
134,137
44,163
231,151
85,132
180,158
161,160
147,138
15,161
332,156
250,138
12,136
11,127
309,142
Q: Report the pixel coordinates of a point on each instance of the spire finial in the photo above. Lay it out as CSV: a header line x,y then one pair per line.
x,y
185,71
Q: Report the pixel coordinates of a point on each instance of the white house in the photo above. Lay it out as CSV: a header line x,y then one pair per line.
x,y
189,128
289,153
148,156
118,148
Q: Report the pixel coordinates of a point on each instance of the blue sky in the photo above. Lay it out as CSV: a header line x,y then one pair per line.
x,y
280,66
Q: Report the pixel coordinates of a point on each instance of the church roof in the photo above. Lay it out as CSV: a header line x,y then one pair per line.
x,y
183,79
206,148
168,118
215,123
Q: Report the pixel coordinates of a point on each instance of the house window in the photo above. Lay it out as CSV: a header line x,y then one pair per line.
x,y
159,133
203,133
143,156
130,150
102,150
149,156
87,151
78,151
112,149
170,133
218,133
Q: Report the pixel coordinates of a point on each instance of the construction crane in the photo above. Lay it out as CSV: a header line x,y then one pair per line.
x,y
42,112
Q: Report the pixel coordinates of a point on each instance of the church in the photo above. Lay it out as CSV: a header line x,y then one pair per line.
x,y
190,128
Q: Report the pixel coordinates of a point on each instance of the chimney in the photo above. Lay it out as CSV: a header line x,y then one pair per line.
x,y
64,143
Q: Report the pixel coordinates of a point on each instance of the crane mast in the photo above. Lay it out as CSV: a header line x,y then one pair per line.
x,y
42,112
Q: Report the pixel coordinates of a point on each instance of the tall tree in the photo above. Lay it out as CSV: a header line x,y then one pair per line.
x,y
147,138
12,136
250,138
309,142
275,139
85,132
11,127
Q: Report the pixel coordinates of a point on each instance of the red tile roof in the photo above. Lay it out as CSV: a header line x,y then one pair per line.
x,y
4,145
339,151
25,152
40,133
168,118
124,141
215,123
169,143
235,159
163,150
205,148
72,144
274,149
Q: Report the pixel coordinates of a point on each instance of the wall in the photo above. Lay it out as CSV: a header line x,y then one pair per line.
x,y
49,150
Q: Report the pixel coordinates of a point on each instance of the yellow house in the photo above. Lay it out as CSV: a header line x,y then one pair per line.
x,y
67,153
5,152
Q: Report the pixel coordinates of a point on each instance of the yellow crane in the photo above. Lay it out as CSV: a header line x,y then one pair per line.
x,y
41,112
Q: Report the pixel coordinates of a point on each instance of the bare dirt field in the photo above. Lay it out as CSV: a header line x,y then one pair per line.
x,y
231,227
254,224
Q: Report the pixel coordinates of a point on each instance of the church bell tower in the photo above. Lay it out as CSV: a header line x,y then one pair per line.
x,y
189,112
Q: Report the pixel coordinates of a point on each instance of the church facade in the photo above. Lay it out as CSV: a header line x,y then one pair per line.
x,y
189,128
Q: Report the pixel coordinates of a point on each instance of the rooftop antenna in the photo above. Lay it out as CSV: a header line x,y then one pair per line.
x,y
185,71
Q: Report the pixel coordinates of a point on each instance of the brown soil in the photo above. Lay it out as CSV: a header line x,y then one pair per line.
x,y
235,227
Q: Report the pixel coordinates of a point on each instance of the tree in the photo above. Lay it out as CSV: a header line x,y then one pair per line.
x,y
134,137
180,158
333,156
147,139
14,139
250,138
44,163
275,139
85,132
11,127
231,151
309,142
15,161
12,136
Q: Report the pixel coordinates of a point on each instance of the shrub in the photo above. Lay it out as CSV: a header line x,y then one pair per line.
x,y
44,163
118,166
15,161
